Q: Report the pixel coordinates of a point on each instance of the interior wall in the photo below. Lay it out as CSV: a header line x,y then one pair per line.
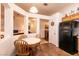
x,y
19,23
8,22
54,30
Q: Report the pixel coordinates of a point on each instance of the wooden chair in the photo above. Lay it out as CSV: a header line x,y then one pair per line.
x,y
22,48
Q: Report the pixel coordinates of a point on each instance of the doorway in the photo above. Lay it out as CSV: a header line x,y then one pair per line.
x,y
44,29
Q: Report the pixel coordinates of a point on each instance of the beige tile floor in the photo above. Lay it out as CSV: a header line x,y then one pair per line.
x,y
76,54
43,41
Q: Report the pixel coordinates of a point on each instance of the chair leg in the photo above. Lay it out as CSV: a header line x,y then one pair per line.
x,y
39,46
31,54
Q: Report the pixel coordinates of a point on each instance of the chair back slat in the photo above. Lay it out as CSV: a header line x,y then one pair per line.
x,y
21,47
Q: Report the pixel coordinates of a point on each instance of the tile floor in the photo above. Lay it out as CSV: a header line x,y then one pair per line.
x,y
47,50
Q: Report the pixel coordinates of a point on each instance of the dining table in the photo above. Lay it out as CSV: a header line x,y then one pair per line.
x,y
33,43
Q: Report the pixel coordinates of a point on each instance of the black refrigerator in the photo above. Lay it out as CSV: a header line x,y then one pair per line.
x,y
68,41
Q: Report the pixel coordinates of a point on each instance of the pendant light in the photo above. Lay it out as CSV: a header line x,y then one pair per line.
x,y
33,9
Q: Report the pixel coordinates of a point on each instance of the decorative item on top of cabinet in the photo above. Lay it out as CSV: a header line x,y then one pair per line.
x,y
71,17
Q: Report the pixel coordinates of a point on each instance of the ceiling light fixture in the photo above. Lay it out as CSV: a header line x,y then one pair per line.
x,y
33,9
45,4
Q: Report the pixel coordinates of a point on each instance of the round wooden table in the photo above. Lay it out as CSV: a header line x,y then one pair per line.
x,y
33,43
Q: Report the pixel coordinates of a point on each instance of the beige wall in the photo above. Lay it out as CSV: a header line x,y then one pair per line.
x,y
54,30
19,23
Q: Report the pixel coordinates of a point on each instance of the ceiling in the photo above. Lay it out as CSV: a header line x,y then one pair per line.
x,y
48,9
